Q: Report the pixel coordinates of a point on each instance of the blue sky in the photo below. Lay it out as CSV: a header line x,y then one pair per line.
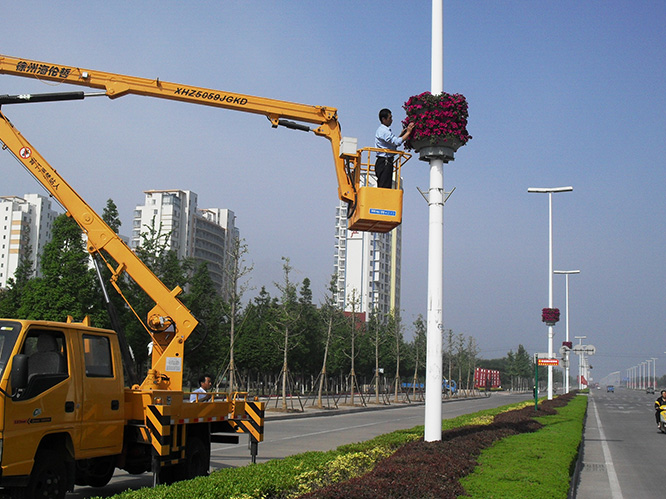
x,y
560,93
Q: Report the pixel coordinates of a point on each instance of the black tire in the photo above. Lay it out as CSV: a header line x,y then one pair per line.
x,y
97,472
48,478
197,460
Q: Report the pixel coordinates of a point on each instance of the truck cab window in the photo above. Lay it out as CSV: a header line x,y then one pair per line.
x,y
97,355
47,361
46,353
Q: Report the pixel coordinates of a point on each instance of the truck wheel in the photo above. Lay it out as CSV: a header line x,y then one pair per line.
x,y
48,477
96,472
197,460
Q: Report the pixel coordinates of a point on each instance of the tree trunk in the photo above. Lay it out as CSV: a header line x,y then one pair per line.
x,y
284,369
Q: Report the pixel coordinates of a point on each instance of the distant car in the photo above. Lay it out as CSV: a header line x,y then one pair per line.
x,y
610,388
649,389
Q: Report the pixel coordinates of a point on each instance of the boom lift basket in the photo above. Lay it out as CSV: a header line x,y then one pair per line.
x,y
376,209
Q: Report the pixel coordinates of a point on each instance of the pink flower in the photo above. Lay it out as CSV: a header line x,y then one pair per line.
x,y
436,116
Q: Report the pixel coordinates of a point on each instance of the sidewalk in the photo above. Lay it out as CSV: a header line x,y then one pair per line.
x,y
273,414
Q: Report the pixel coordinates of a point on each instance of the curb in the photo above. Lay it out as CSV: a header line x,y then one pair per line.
x,y
578,468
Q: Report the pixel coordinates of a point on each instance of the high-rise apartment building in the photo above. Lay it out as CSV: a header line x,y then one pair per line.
x,y
214,241
170,213
368,268
25,225
206,235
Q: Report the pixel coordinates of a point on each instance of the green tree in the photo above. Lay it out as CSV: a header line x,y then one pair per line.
x,y
308,351
448,355
117,302
205,348
68,285
395,328
419,348
154,252
524,368
286,325
110,216
331,315
511,368
10,298
354,330
236,271
472,352
255,350
377,333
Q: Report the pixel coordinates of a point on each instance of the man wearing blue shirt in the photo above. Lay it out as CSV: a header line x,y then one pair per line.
x,y
384,139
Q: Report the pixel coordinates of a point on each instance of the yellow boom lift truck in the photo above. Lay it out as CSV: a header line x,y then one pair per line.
x,y
72,409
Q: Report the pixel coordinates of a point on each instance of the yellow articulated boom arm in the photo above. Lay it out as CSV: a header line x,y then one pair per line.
x,y
117,85
169,312
370,208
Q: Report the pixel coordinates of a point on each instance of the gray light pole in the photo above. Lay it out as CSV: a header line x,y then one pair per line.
x,y
580,362
550,191
567,273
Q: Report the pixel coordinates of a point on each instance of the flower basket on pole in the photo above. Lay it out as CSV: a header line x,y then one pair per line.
x,y
440,124
550,316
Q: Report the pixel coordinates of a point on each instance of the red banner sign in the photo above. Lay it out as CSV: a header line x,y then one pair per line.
x,y
486,378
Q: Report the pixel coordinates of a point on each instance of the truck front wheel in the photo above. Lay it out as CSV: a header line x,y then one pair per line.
x,y
48,477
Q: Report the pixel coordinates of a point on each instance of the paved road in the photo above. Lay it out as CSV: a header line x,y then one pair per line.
x,y
288,435
623,453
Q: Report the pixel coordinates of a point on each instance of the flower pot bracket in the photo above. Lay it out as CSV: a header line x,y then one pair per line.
x,y
437,148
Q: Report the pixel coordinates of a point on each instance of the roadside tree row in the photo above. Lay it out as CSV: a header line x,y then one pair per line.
x,y
271,344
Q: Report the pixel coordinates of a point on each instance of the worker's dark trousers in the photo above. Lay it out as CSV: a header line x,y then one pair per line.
x,y
384,172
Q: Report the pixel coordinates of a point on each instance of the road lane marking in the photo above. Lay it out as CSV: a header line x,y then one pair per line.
x,y
616,492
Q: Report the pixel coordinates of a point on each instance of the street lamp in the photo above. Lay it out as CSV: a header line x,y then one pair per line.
x,y
580,362
567,273
654,373
550,191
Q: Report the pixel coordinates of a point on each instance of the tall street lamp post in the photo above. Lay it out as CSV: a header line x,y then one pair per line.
x,y
433,384
566,273
580,362
550,191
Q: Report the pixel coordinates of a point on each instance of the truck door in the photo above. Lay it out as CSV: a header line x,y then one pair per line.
x,y
49,402
103,416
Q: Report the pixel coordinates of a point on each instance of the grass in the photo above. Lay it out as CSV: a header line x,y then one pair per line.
x,y
536,464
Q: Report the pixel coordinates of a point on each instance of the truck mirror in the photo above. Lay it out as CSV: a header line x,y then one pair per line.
x,y
19,376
